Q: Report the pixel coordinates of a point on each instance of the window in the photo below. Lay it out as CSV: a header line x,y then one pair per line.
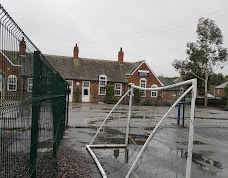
x,y
70,83
154,93
129,86
85,83
30,83
143,85
102,84
118,89
12,83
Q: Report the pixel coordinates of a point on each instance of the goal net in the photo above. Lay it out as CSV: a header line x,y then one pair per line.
x,y
148,133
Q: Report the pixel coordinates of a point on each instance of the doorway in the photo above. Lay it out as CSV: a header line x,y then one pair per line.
x,y
85,91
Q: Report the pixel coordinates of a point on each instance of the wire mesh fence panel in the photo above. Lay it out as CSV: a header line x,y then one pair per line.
x,y
33,106
147,141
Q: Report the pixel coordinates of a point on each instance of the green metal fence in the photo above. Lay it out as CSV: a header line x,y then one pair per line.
x,y
33,106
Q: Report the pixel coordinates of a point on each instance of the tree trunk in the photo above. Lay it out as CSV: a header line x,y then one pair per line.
x,y
205,90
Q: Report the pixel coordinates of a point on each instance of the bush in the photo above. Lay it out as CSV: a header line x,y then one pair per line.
x,y
211,102
147,103
110,98
137,96
77,95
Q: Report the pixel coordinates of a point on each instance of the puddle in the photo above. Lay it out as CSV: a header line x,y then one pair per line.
x,y
212,118
138,139
194,143
201,157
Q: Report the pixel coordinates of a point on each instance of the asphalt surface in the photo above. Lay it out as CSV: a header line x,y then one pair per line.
x,y
210,153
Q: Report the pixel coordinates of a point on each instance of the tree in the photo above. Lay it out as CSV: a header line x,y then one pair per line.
x,y
216,79
206,55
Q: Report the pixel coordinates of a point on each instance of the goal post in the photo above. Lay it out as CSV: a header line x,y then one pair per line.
x,y
145,142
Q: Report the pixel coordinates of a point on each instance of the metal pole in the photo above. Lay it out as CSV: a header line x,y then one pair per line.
x,y
129,116
191,130
154,131
128,125
183,116
178,113
35,114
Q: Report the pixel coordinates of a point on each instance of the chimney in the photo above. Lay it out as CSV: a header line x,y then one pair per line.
x,y
22,47
120,56
76,50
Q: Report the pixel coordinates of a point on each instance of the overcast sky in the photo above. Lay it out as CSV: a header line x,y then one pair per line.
x,y
155,31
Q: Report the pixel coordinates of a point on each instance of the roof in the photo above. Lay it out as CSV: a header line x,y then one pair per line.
x,y
166,81
25,62
90,69
222,85
129,67
80,69
178,80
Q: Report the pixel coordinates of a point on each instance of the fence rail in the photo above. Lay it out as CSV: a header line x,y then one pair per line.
x,y
33,106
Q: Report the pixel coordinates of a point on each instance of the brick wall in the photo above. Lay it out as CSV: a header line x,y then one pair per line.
x,y
94,91
7,69
136,79
219,92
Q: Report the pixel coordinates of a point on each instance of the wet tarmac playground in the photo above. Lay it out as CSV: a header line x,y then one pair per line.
x,y
210,153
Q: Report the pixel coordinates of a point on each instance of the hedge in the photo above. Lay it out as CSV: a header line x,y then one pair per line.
x,y
211,102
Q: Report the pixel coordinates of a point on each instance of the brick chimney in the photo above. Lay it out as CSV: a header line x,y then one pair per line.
x,y
22,47
121,56
76,51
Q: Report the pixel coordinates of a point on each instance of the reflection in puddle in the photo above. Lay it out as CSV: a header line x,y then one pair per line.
x,y
117,136
138,139
194,142
196,157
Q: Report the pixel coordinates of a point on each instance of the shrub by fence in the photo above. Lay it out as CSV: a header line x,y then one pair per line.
x,y
211,102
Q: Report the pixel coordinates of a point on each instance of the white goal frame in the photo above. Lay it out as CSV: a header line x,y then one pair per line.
x,y
192,88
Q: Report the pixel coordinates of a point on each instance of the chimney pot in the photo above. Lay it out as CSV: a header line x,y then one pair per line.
x,y
121,56
76,51
22,47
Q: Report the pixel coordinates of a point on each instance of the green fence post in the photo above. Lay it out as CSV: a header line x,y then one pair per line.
x,y
55,110
35,114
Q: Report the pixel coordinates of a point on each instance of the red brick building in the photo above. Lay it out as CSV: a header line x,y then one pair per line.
x,y
12,74
88,77
219,90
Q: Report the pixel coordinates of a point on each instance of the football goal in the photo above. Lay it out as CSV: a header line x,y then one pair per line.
x,y
141,135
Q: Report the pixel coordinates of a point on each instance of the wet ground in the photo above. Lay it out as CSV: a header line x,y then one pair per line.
x,y
210,153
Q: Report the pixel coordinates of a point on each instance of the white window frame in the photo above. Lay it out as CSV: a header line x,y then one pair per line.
x,y
143,94
154,92
102,84
129,86
118,91
29,89
13,83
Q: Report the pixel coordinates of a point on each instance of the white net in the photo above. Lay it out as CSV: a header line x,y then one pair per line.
x,y
146,141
